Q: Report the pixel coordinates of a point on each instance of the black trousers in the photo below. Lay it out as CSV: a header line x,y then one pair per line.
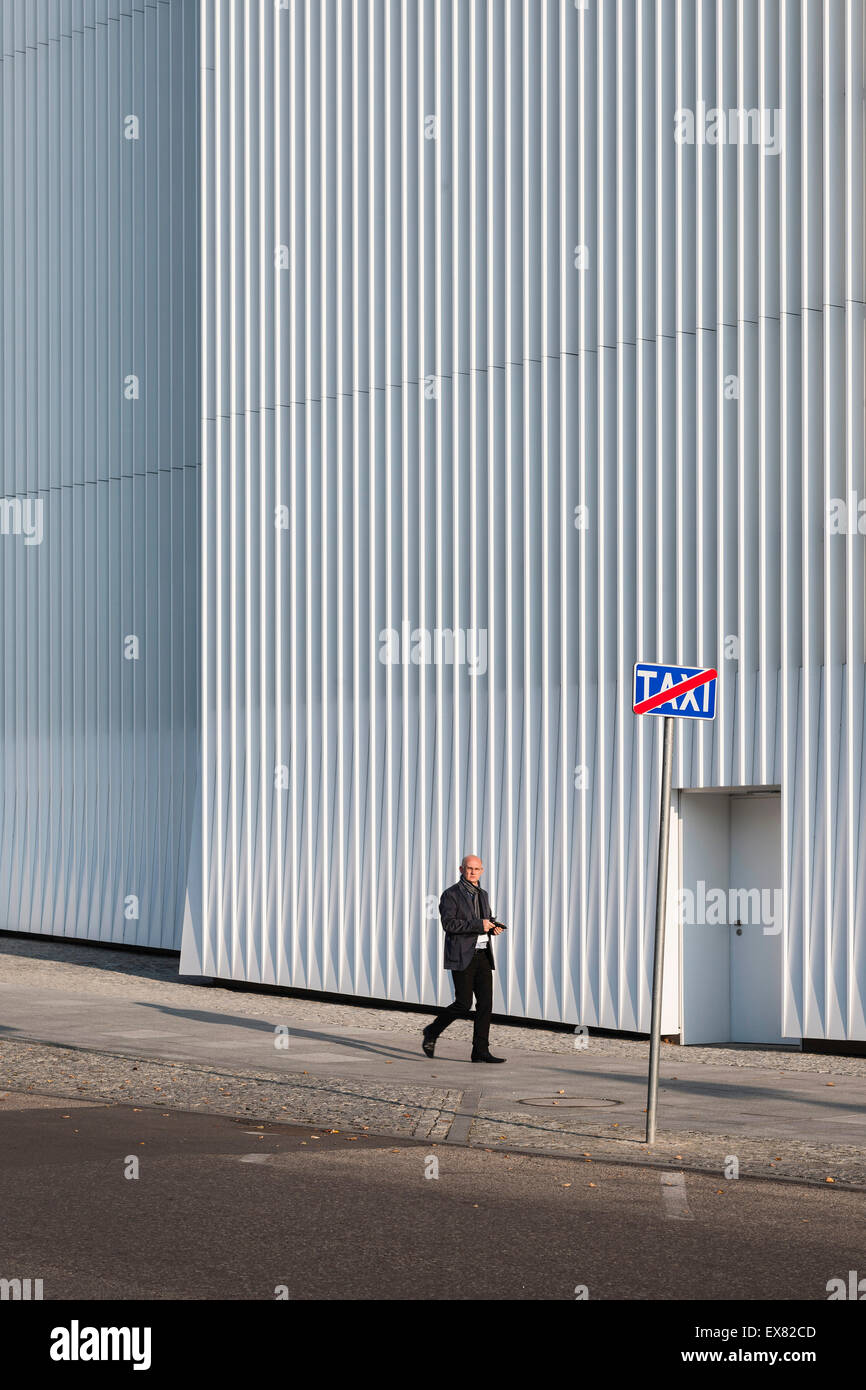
x,y
476,979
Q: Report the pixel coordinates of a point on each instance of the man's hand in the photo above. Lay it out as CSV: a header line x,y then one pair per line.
x,y
489,926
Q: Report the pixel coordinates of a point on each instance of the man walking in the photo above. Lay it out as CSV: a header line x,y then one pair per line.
x,y
468,925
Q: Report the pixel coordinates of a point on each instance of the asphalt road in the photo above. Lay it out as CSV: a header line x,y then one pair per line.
x,y
222,1209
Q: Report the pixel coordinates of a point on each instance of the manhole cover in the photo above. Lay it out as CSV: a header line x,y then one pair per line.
x,y
571,1102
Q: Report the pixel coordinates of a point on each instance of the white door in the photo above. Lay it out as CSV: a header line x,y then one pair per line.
x,y
755,918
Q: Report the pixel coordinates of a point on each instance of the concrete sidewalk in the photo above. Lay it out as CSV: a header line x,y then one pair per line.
x,y
114,1025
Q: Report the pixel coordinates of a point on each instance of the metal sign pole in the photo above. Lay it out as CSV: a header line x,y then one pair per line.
x,y
661,904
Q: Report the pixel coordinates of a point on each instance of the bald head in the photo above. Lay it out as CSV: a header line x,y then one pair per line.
x,y
471,868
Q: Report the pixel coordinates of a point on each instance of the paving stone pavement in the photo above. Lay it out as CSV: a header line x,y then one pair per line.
x,y
589,1142
111,988
77,1074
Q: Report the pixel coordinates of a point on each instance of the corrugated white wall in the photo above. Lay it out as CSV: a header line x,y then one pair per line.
x,y
460,280
99,282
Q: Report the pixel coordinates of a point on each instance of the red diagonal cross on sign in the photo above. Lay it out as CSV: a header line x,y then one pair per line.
x,y
663,696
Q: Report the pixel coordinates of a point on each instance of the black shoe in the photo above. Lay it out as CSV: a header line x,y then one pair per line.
x,y
486,1057
428,1045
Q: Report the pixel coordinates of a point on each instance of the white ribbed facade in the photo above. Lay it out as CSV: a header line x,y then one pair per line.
x,y
460,279
98,285
499,384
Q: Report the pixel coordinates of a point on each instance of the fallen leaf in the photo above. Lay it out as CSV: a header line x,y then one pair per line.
x,y
829,1179
592,1184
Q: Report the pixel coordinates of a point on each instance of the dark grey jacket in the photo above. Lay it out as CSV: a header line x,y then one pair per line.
x,y
461,927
